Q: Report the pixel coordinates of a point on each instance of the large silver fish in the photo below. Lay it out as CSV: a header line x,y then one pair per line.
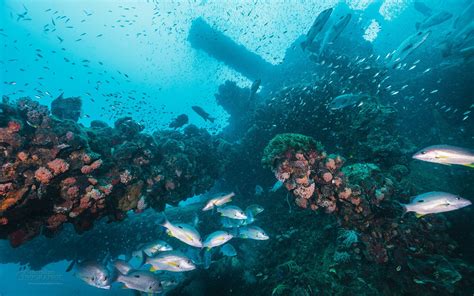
x,y
140,280
346,100
334,32
446,154
152,248
407,47
252,232
434,20
93,273
184,232
218,201
435,202
317,27
233,212
171,261
217,238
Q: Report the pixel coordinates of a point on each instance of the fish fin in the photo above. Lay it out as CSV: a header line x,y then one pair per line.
x,y
419,215
71,265
470,165
124,287
153,269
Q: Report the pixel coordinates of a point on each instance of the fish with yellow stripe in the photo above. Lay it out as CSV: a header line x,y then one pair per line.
x,y
447,155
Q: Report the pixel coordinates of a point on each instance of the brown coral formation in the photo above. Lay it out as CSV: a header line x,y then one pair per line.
x,y
55,171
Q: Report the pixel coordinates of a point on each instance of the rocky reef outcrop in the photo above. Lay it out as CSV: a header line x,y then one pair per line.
x,y
56,171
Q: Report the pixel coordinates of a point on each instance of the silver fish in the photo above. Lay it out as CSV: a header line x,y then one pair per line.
x,y
435,202
216,239
407,47
233,212
93,273
171,261
140,280
254,209
218,201
334,32
434,20
346,100
122,266
150,249
316,27
184,232
228,250
446,154
252,232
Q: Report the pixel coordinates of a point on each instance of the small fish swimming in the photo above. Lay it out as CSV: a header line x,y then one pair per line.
x,y
228,250
179,121
435,202
254,88
174,261
216,239
254,209
233,212
446,154
346,100
278,184
122,266
141,280
184,232
316,27
252,232
93,273
258,190
232,223
203,113
218,201
152,248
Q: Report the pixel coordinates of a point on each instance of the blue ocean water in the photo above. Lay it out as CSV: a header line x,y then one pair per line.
x,y
136,59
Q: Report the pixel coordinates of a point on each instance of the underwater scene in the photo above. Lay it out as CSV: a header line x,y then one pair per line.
x,y
260,147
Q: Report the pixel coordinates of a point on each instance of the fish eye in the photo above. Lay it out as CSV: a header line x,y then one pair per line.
x,y
458,198
423,152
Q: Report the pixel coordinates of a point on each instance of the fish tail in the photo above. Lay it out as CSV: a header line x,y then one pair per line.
x,y
162,220
404,207
143,258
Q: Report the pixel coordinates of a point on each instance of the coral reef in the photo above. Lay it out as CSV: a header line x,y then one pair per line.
x,y
55,171
362,198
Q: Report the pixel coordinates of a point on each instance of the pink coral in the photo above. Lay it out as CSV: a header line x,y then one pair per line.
x,y
346,193
58,166
87,169
327,177
22,156
331,164
43,175
13,126
5,188
305,191
301,202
